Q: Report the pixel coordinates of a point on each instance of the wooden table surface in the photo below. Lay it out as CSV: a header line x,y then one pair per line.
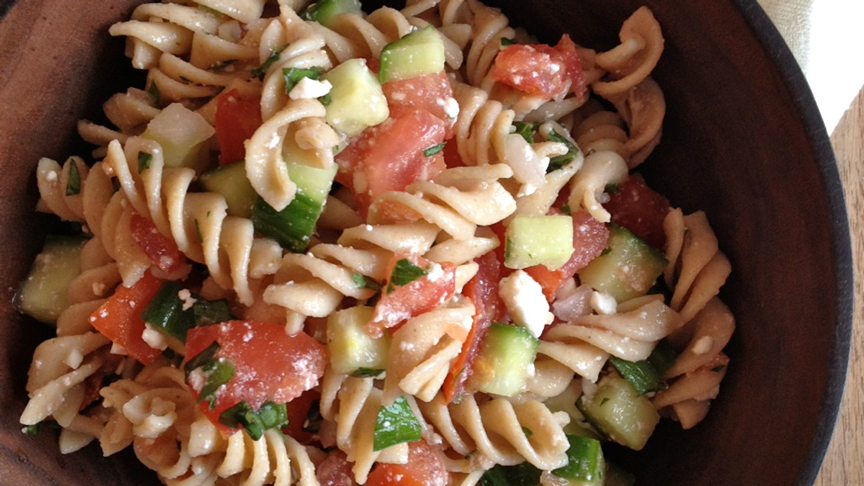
x,y
843,462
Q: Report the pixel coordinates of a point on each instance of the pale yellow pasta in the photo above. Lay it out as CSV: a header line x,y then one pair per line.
x,y
633,60
588,185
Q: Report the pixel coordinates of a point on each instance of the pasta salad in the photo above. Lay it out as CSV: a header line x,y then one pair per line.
x,y
326,246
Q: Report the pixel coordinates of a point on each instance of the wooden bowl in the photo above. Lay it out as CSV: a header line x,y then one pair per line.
x,y
742,140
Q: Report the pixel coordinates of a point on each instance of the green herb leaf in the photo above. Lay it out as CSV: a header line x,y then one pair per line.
x,y
585,462
507,42
364,282
73,186
611,189
221,65
560,161
435,149
273,416
566,210
145,160
717,369
527,432
294,75
153,94
218,372
201,358
396,424
367,373
206,313
40,426
404,273
313,418
603,402
519,475
606,251
663,357
326,99
261,70
526,130
198,231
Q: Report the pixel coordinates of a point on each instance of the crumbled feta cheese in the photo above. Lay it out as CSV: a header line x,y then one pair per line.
x,y
451,108
435,272
98,289
117,349
603,198
603,303
186,296
526,190
154,338
398,96
196,379
308,88
703,345
74,359
525,301
51,176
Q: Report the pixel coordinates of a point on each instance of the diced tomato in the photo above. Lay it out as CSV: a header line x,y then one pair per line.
x,y
425,467
373,64
539,69
160,249
483,292
119,318
402,302
389,156
641,210
430,92
298,412
451,155
237,118
335,471
269,365
589,241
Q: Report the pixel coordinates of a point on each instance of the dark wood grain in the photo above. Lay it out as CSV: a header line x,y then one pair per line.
x,y
741,141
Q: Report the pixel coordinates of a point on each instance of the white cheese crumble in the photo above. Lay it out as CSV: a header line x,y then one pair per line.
x,y
51,176
451,108
117,349
703,345
74,359
525,301
154,338
186,296
603,303
435,272
308,88
526,190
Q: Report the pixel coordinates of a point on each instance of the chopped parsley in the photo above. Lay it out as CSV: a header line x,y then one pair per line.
x,y
326,99
527,432
367,373
364,282
255,422
561,160
404,273
39,426
145,159
603,402
718,369
396,424
294,75
566,210
526,130
261,70
612,189
507,42
435,149
154,95
221,65
73,185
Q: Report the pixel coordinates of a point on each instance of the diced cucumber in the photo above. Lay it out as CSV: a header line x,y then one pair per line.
x,y
43,293
183,135
566,402
323,11
621,413
585,464
352,350
293,226
647,375
418,53
524,474
538,240
231,182
628,268
356,98
505,358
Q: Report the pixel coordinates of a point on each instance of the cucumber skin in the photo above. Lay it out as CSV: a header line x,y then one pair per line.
x,y
618,411
350,348
628,270
507,351
43,293
324,11
418,53
231,182
538,240
585,464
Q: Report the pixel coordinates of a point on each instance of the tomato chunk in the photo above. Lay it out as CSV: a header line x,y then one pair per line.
x,y
269,365
641,210
160,249
298,412
430,92
483,292
539,69
119,318
389,156
589,241
425,467
335,471
237,118
415,285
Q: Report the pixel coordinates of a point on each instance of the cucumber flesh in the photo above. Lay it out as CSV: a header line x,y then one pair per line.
x,y
418,53
232,183
43,293
165,314
293,226
538,240
356,98
629,268
585,464
621,413
323,11
352,351
505,358
183,135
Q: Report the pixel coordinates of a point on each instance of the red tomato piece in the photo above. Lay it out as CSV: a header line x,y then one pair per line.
x,y
589,241
237,118
425,467
451,155
269,365
119,318
539,69
399,303
335,471
160,249
389,156
430,92
298,412
483,292
641,210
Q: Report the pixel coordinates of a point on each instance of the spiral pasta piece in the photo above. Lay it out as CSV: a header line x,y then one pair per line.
x,y
588,185
632,61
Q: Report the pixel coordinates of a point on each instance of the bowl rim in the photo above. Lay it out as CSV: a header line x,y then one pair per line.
x,y
790,72
769,37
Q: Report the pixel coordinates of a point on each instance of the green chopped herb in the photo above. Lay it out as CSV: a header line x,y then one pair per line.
x,y
313,419
523,474
590,152
294,75
261,70
218,372
663,356
38,427
606,251
73,186
717,369
364,282
145,160
273,416
435,149
153,94
526,130
201,358
221,65
507,42
612,188
585,463
205,313
566,210
527,432
242,414
404,273
326,99
396,424
367,373
603,402
561,160
198,231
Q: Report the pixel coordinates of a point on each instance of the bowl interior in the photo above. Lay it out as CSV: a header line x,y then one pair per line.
x,y
742,140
